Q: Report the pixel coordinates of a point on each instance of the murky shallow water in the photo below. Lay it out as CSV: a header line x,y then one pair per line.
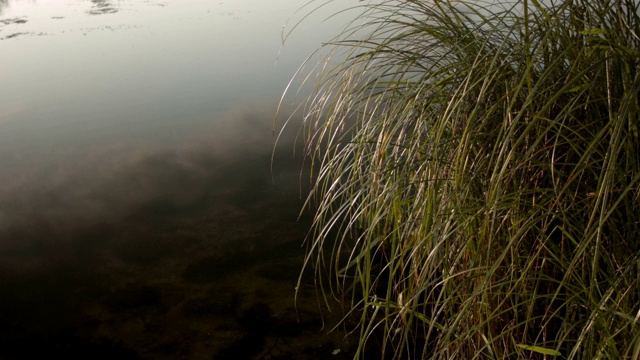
x,y
138,218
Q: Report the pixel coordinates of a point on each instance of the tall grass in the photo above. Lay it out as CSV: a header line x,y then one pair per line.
x,y
477,178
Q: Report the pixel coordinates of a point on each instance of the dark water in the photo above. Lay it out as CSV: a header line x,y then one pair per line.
x,y
139,218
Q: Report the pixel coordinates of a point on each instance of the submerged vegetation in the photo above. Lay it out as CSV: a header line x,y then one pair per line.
x,y
477,178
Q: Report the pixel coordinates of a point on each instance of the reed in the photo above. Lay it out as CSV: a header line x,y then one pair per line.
x,y
476,178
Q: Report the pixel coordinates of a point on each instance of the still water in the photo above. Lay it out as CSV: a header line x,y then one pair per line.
x,y
139,218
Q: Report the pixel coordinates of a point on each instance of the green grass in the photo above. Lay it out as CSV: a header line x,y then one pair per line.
x,y
477,178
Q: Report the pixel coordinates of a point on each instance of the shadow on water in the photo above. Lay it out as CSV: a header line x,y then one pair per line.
x,y
133,251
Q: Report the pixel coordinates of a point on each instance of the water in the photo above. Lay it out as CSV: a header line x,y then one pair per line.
x,y
139,218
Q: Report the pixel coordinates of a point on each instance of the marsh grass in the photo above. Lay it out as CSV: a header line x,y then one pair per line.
x,y
476,178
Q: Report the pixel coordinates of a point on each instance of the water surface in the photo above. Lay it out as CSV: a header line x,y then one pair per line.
x,y
138,214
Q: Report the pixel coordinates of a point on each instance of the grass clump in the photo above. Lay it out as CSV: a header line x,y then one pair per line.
x,y
477,176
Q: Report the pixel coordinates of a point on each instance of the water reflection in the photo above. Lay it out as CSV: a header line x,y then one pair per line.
x,y
139,250
138,214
